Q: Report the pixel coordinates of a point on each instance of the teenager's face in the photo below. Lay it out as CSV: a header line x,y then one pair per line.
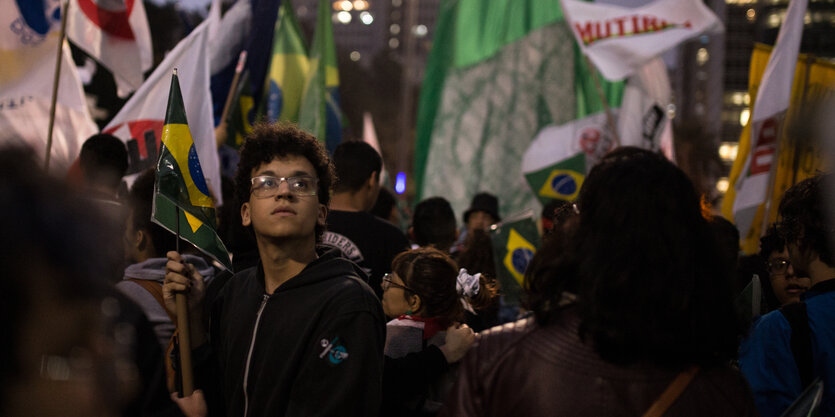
x,y
787,286
285,215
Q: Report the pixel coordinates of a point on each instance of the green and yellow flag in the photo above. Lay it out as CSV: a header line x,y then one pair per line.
x,y
515,241
320,113
182,203
560,181
289,68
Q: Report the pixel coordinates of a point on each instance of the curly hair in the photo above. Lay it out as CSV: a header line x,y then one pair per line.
x,y
268,141
644,265
804,218
432,275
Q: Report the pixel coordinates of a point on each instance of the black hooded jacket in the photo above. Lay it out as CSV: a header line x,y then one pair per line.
x,y
312,348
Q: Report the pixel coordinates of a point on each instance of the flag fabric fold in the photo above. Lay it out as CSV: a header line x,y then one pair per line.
x,y
289,67
768,119
140,121
619,40
319,113
182,201
515,241
497,74
28,42
115,34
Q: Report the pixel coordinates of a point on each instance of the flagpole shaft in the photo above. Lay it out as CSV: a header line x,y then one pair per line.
x,y
55,82
610,119
234,87
186,370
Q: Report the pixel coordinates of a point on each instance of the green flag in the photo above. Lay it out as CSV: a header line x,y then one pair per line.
x,y
181,197
498,73
320,113
515,241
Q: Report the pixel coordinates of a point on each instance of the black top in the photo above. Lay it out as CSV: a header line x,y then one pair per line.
x,y
369,241
313,347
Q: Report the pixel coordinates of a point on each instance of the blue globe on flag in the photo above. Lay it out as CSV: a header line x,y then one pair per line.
x,y
564,184
520,259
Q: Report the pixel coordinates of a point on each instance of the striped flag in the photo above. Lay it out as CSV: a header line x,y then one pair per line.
x,y
182,203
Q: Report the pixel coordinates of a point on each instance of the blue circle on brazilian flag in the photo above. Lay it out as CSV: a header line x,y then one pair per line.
x,y
564,184
520,259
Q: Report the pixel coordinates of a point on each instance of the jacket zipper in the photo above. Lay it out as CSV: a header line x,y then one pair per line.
x,y
251,348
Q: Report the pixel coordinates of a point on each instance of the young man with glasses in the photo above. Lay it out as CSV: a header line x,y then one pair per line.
x,y
300,333
786,285
789,348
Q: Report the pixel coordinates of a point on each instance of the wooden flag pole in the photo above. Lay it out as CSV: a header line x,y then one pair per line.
x,y
610,119
186,371
234,87
55,81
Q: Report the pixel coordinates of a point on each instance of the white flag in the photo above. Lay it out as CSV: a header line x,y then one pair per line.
x,y
140,121
589,135
116,34
773,97
643,118
28,46
619,40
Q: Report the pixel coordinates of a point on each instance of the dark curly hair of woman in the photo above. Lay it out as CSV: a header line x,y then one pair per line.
x,y
804,219
650,284
268,141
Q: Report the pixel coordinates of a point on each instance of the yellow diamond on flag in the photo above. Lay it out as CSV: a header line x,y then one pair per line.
x,y
193,222
563,184
519,254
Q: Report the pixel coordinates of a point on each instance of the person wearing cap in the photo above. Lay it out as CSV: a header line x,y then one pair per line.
x,y
483,212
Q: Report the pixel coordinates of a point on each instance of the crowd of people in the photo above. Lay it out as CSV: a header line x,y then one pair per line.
x,y
631,306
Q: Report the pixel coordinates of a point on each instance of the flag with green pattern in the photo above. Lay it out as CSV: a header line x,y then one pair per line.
x,y
182,203
515,241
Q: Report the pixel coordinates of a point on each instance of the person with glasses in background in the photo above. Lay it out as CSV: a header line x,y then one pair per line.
x,y
301,333
426,296
791,347
784,285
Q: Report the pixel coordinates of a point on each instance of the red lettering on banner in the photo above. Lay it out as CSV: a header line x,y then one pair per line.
x,y
620,21
763,156
586,32
761,160
636,28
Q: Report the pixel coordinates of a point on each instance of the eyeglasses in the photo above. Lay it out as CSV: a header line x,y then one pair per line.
x,y
388,282
266,186
779,266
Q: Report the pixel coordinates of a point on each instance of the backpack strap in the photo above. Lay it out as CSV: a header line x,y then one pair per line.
x,y
155,289
671,394
801,340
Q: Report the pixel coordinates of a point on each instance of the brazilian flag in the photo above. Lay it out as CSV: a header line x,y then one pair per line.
x,y
320,113
289,68
181,197
515,241
560,181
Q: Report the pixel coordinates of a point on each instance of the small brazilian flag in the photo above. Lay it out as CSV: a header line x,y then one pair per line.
x,y
560,181
180,189
289,68
515,241
320,113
